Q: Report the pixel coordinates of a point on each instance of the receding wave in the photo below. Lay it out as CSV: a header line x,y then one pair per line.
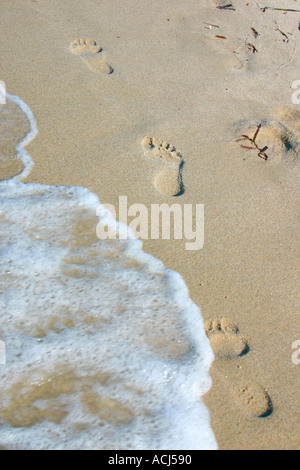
x,y
104,347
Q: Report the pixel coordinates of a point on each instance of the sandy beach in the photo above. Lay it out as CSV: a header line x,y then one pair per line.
x,y
152,100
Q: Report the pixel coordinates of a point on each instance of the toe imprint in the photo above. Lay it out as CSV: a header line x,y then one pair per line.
x,y
155,148
85,46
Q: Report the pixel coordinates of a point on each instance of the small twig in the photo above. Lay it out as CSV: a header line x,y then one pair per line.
x,y
251,47
261,152
227,7
279,9
257,5
254,32
256,133
210,26
286,40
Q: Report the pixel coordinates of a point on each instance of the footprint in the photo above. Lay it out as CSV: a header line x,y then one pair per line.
x,y
253,399
225,340
85,46
246,393
90,52
242,55
280,141
232,53
168,180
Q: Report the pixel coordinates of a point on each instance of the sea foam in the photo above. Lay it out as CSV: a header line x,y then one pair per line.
x,y
104,347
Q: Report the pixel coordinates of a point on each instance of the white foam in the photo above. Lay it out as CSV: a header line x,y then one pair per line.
x,y
104,347
22,154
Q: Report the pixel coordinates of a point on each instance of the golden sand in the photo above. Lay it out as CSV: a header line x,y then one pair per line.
x,y
172,77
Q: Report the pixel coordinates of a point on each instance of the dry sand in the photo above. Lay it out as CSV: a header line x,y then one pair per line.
x,y
157,69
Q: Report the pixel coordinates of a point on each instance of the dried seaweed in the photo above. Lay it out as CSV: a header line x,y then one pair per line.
x,y
227,7
251,47
210,25
261,151
283,34
254,32
279,9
